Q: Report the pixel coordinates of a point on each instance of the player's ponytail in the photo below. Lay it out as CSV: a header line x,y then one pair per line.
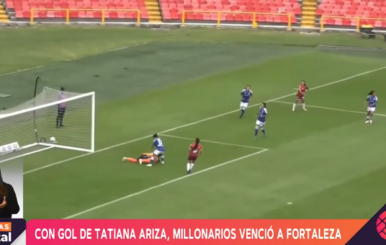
x,y
371,92
197,143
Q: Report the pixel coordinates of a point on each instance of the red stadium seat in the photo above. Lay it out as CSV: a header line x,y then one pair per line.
x,y
371,11
172,8
22,8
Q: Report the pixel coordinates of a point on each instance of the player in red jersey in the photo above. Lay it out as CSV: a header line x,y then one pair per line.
x,y
195,150
300,95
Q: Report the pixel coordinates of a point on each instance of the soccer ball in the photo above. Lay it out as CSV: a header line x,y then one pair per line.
x,y
52,140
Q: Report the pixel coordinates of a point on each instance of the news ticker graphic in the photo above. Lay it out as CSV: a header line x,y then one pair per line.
x,y
11,231
206,232
180,232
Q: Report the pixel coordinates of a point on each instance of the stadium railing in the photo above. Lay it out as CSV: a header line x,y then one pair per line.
x,y
357,19
254,22
68,14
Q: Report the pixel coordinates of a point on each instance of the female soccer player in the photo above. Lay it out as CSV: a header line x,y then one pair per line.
x,y
300,95
144,156
195,150
246,95
371,102
261,119
61,109
158,153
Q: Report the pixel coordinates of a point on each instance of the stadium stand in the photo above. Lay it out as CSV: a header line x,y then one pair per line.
x,y
3,14
309,13
203,10
346,13
117,10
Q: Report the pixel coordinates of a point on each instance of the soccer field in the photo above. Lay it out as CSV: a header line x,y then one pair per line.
x,y
323,163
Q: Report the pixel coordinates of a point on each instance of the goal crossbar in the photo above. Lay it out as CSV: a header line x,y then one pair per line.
x,y
2,116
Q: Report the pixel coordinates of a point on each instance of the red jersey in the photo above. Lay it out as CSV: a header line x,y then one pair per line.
x,y
194,151
303,89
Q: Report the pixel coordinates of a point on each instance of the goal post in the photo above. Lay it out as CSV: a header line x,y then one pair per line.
x,y
67,117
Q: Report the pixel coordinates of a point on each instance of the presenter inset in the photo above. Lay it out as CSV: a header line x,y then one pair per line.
x,y
9,204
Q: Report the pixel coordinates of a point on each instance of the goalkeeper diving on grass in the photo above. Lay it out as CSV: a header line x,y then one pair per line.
x,y
143,156
158,154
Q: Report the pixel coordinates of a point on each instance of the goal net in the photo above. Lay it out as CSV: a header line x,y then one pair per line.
x,y
67,117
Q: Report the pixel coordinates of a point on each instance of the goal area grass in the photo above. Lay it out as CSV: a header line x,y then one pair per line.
x,y
323,163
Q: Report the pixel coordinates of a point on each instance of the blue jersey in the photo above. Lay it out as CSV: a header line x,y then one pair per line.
x,y
157,143
246,95
372,101
262,114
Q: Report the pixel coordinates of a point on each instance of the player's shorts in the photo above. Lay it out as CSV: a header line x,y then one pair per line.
x,y
260,124
61,111
243,105
300,96
157,152
192,158
372,109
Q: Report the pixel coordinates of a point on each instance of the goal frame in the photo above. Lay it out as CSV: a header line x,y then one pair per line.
x,y
49,145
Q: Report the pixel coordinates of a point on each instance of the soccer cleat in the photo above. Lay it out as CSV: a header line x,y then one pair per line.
x,y
123,159
189,172
163,162
149,165
140,161
367,121
304,109
371,121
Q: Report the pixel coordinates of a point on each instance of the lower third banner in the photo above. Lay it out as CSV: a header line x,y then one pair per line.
x,y
180,232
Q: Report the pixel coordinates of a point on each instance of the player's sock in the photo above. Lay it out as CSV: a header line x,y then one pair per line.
x,y
242,112
304,106
256,131
263,130
191,167
162,158
131,160
57,121
188,171
294,106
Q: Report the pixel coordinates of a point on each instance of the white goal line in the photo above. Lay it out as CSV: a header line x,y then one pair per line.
x,y
215,142
197,122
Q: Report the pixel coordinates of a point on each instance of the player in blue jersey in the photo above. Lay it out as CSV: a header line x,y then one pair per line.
x,y
371,102
158,153
261,119
246,94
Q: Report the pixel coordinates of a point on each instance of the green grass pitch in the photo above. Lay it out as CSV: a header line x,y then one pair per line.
x,y
323,163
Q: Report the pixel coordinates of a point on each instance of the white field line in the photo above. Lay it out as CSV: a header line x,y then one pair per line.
x,y
18,71
197,122
332,109
214,142
164,184
36,67
26,154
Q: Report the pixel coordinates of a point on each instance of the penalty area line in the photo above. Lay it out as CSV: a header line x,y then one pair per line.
x,y
164,184
215,142
331,109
